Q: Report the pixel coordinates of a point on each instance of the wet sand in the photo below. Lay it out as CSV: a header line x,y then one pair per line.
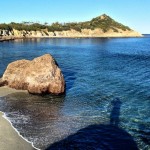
x,y
9,138
4,91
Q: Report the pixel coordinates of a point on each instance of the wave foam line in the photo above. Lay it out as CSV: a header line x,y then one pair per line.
x,y
5,117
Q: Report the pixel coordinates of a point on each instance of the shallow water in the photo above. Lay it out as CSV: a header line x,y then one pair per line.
x,y
97,72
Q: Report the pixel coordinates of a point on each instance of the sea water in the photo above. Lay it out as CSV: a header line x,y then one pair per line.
x,y
97,72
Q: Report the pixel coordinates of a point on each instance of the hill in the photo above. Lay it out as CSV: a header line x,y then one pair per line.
x,y
100,26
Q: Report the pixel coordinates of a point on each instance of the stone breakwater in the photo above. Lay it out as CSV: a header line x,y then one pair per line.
x,y
14,34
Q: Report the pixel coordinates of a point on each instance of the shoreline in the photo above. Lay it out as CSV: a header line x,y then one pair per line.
x,y
3,39
14,138
9,135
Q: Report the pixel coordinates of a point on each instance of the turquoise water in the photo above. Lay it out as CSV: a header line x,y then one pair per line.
x,y
97,72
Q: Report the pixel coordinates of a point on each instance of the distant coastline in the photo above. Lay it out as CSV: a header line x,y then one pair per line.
x,y
102,26
85,33
11,38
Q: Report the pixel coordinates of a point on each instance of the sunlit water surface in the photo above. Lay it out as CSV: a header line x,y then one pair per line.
x,y
96,71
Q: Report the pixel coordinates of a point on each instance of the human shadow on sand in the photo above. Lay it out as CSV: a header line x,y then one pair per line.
x,y
99,137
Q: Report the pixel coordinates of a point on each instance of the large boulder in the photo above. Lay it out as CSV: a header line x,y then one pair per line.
x,y
41,75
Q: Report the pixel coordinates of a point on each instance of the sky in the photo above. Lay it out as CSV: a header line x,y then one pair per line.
x,y
133,13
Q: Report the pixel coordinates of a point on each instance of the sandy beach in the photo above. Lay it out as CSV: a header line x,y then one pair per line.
x,y
9,138
4,91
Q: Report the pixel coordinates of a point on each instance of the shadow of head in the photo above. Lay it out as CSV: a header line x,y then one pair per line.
x,y
115,112
97,137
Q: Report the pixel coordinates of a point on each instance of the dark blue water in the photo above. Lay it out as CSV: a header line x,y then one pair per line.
x,y
97,72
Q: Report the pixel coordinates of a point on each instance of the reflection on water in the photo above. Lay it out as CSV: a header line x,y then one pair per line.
x,y
105,78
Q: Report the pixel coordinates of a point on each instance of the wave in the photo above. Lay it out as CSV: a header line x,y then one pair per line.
x,y
5,117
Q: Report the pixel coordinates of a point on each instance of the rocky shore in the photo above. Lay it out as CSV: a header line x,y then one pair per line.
x,y
6,35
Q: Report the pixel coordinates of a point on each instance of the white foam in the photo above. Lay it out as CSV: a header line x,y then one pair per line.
x,y
5,117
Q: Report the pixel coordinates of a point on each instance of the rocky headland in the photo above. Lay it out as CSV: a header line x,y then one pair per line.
x,y
102,26
38,76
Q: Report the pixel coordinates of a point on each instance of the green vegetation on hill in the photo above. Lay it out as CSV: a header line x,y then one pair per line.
x,y
104,22
4,26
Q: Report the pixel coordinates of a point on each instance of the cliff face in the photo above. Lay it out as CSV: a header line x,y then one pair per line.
x,y
97,33
69,33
